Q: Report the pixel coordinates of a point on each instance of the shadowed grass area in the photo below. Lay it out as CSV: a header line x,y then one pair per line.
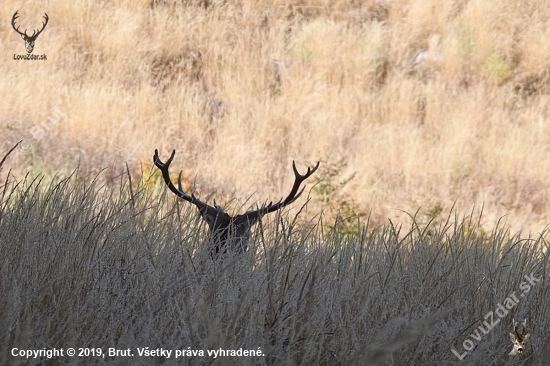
x,y
86,265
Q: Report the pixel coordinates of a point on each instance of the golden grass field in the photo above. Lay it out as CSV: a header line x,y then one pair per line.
x,y
242,88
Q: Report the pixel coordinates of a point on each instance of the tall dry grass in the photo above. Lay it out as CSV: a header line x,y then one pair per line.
x,y
240,88
88,266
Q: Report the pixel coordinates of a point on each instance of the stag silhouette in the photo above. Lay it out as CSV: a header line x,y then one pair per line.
x,y
230,234
29,40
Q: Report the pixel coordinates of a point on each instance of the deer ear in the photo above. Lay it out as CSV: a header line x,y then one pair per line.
x,y
23,36
512,337
526,338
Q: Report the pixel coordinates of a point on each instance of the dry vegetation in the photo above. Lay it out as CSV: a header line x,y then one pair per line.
x,y
240,88
85,265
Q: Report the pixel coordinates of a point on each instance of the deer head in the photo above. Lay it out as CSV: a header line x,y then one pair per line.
x,y
519,340
29,40
230,233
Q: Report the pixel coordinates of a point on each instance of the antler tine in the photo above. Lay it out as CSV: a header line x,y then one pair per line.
x,y
13,19
294,193
310,170
43,25
210,214
164,168
515,324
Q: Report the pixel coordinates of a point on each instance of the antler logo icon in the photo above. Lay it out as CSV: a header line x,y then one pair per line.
x,y
29,40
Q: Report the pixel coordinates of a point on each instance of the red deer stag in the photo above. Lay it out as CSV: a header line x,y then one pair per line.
x,y
230,233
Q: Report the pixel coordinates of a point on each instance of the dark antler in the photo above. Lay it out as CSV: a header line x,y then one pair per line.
x,y
214,216
254,215
34,34
294,194
15,16
271,207
43,26
166,175
520,336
